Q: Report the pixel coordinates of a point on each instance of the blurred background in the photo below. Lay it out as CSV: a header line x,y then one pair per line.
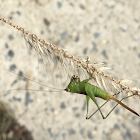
x,y
106,31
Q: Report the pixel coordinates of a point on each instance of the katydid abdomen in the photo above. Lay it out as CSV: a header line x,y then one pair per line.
x,y
97,91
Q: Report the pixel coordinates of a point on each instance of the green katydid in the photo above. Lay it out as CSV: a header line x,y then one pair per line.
x,y
91,91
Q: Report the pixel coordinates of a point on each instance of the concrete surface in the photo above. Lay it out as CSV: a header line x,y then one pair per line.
x,y
103,30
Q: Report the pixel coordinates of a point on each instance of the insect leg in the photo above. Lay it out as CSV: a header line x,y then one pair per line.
x,y
97,110
91,95
101,106
90,92
87,99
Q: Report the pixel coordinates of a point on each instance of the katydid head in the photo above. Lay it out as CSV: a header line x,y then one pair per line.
x,y
73,86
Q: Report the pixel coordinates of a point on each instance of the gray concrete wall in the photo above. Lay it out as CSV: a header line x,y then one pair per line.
x,y
106,31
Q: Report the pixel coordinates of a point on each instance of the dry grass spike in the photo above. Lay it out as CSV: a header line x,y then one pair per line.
x,y
48,51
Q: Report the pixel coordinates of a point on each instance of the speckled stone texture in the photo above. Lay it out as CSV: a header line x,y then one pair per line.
x,y
106,30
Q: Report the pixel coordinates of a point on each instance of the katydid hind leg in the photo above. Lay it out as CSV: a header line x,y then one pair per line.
x,y
100,107
90,93
112,108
